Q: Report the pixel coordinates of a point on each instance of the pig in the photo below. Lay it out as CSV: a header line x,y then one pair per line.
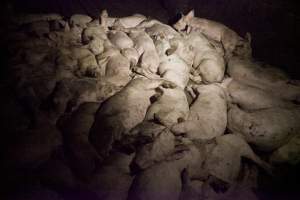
x,y
86,58
155,28
266,129
156,151
150,184
287,153
207,62
149,59
125,22
224,161
162,148
122,112
181,47
80,20
113,179
80,152
132,55
232,43
208,114
120,39
171,66
106,89
169,108
162,30
147,129
91,33
142,134
242,189
252,98
191,189
87,66
68,37
66,59
270,79
114,66
68,94
96,46
58,25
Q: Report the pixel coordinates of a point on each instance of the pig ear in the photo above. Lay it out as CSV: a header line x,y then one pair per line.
x,y
248,37
171,50
190,15
67,27
104,13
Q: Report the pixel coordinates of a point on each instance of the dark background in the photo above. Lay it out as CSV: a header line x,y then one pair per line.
x,y
274,24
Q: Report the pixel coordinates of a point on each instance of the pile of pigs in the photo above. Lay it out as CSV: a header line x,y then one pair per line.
x,y
131,108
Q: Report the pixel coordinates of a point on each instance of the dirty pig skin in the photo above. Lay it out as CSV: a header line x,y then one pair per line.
x,y
123,111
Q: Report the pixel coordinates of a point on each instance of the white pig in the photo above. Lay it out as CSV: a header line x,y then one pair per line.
x,y
122,112
270,79
231,41
266,129
208,114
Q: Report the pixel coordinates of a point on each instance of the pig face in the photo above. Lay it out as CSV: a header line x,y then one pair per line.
x,y
243,47
183,22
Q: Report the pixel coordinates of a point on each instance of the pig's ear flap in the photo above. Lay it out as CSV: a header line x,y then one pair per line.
x,y
171,50
248,37
104,13
190,15
103,18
